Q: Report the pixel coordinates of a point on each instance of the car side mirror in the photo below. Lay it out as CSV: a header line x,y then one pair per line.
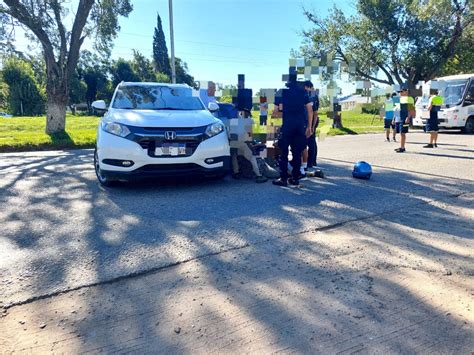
x,y
213,107
99,105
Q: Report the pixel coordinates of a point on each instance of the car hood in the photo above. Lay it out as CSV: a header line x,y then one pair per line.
x,y
162,118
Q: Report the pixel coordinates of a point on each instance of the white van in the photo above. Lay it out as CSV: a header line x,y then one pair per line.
x,y
458,109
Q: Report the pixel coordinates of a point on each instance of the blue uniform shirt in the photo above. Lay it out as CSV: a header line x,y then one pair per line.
x,y
294,102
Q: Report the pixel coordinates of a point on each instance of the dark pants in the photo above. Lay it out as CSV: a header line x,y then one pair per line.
x,y
263,120
312,150
291,136
432,123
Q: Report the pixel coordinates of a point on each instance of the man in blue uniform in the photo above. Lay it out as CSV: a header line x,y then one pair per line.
x,y
295,129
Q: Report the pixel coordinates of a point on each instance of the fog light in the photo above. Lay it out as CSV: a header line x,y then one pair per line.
x,y
209,161
118,162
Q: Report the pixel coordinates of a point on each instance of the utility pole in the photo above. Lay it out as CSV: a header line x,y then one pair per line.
x,y
173,65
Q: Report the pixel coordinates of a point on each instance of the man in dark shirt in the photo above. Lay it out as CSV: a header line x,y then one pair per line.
x,y
294,130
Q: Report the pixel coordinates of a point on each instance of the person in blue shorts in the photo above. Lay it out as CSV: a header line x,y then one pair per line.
x,y
406,109
436,101
388,124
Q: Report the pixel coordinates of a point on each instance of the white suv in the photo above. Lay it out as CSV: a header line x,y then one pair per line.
x,y
154,129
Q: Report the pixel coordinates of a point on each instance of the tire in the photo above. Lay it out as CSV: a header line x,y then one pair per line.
x,y
103,180
469,127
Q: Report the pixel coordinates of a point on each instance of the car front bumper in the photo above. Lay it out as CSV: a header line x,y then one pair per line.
x,y
111,147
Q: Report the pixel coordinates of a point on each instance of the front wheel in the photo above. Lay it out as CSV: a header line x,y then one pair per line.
x,y
469,127
103,179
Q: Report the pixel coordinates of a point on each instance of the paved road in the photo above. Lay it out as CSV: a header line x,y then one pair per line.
x,y
61,231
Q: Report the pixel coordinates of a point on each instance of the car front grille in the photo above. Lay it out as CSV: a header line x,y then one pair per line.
x,y
150,137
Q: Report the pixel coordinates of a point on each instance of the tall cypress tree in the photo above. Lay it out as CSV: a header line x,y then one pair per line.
x,y
160,51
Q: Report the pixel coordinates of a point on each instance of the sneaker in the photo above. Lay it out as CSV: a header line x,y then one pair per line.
x,y
428,146
436,145
280,182
388,140
394,139
400,150
260,179
294,182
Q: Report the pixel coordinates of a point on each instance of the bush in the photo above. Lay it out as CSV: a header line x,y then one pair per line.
x,y
25,97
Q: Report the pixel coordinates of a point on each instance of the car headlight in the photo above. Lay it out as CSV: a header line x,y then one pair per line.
x,y
116,129
214,129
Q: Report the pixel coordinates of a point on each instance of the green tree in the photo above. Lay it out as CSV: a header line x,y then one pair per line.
x,y
24,96
143,67
182,75
122,70
162,78
463,60
403,40
93,71
77,90
45,23
160,51
3,95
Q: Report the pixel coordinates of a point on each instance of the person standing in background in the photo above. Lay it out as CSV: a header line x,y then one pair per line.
x,y
436,101
406,109
388,124
312,144
263,110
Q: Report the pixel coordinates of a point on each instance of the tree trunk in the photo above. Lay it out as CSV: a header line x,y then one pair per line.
x,y
55,115
57,92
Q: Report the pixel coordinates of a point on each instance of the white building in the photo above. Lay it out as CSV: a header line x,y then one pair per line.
x,y
350,102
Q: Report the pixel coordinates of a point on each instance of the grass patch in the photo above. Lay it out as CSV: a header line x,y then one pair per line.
x,y
28,133
353,121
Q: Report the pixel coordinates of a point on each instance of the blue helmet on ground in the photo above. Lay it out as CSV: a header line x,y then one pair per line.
x,y
362,170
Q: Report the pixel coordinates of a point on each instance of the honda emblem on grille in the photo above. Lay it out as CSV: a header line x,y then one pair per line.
x,y
170,135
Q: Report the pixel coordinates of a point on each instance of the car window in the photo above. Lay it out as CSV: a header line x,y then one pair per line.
x,y
150,97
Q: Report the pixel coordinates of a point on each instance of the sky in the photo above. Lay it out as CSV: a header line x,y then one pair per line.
x,y
220,39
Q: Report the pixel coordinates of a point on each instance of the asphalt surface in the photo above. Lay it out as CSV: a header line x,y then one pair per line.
x,y
62,232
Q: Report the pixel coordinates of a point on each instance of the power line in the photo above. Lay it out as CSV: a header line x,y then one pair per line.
x,y
209,44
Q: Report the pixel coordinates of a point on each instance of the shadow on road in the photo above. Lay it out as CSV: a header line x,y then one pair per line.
x,y
297,292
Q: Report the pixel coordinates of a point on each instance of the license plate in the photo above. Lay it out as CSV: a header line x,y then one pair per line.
x,y
171,149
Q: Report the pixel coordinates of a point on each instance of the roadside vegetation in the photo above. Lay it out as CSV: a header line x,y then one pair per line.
x,y
28,133
19,134
354,122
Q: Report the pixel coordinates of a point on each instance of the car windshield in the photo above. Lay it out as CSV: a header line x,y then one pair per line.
x,y
156,97
453,92
422,101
